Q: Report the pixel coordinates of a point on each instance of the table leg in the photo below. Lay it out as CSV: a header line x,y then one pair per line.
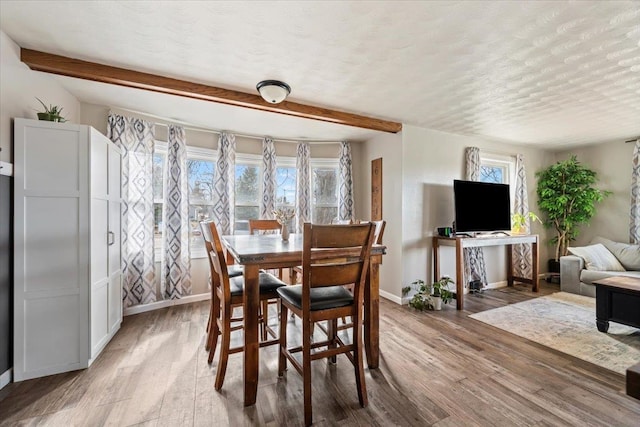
x,y
371,313
251,302
535,264
436,258
459,275
509,265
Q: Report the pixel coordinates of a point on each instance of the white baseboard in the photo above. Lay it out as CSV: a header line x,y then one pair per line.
x,y
494,285
137,309
5,378
391,297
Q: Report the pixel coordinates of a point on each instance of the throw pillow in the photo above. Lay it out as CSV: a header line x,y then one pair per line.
x,y
627,254
597,257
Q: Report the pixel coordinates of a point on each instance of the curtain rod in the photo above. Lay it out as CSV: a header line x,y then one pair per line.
x,y
632,140
189,126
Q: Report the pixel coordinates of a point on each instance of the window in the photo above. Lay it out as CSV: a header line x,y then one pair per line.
x,y
286,188
200,175
498,169
324,187
248,191
201,166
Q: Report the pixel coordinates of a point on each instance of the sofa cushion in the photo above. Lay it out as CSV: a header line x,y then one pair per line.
x,y
597,257
590,276
627,254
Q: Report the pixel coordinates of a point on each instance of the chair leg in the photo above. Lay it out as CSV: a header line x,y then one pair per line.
x,y
265,319
207,343
214,330
282,360
332,332
357,356
224,350
306,370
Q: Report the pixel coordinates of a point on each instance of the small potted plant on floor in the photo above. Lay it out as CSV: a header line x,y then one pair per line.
x,y
441,293
429,297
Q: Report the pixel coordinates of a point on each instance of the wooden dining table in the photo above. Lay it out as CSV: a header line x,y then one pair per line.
x,y
270,251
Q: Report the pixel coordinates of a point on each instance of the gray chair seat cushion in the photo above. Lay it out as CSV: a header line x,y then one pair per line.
x,y
268,284
321,298
235,270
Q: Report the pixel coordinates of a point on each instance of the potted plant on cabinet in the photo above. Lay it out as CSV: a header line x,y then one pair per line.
x,y
50,113
567,198
429,297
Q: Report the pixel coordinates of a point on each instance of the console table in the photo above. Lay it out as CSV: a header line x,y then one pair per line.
x,y
477,242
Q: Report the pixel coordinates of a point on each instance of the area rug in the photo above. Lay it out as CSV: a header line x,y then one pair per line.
x,y
567,323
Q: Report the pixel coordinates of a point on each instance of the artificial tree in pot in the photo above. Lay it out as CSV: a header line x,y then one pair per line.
x,y
567,198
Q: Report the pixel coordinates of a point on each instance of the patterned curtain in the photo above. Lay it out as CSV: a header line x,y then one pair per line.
x,y
474,267
303,186
224,184
175,279
345,189
268,203
634,228
135,138
522,252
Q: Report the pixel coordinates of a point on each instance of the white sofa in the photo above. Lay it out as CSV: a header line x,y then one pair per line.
x,y
577,274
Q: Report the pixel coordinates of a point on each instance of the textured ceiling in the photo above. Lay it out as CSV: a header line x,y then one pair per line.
x,y
548,73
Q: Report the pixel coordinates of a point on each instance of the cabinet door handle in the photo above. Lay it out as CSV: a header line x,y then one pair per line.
x,y
111,238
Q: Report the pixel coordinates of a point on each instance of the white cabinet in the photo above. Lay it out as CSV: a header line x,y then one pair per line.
x,y
67,263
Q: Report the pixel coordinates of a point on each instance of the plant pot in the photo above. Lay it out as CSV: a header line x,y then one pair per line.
x,y
46,117
437,303
553,266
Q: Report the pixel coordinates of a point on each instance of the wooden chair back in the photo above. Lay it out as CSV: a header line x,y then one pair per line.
x,y
379,230
379,227
337,221
217,259
258,225
335,255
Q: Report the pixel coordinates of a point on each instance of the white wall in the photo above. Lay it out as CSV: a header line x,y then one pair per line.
x,y
431,160
612,163
389,148
19,88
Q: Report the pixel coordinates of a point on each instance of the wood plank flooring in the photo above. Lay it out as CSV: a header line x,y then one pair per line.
x,y
437,368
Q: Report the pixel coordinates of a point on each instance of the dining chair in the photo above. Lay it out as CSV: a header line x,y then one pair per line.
x,y
297,270
332,256
265,226
226,294
378,234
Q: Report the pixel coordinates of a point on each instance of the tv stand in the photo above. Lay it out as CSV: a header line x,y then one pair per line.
x,y
469,242
463,235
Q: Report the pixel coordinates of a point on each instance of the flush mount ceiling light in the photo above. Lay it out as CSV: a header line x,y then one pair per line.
x,y
273,91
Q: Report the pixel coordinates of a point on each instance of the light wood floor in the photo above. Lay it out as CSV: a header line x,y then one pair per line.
x,y
437,368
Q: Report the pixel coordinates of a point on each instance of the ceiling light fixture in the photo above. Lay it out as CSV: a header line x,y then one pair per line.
x,y
273,91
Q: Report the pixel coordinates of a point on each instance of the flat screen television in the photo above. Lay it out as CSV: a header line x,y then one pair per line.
x,y
481,206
